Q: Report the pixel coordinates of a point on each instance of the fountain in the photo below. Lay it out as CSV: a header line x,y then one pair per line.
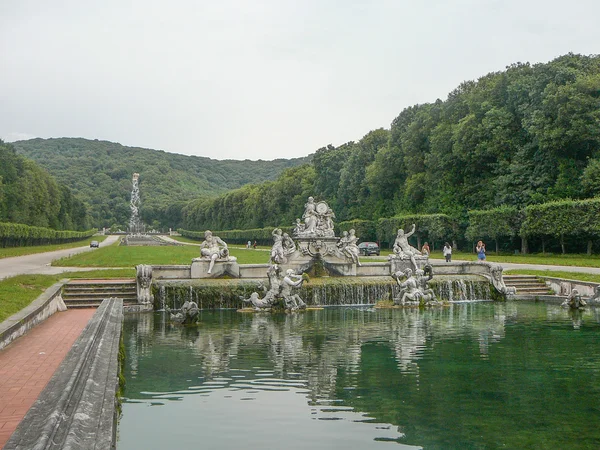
x,y
136,233
216,280
135,223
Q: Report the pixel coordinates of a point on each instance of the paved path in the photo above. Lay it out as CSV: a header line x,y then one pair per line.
x,y
39,263
28,363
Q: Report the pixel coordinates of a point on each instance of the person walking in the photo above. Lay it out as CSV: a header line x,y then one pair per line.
x,y
447,252
480,251
425,249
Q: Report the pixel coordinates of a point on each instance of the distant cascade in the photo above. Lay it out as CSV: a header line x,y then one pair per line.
x,y
135,223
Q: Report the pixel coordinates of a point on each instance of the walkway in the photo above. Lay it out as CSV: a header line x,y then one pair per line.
x,y
28,363
39,263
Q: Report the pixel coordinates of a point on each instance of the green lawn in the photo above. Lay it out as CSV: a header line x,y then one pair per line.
x,y
579,276
130,256
537,258
18,292
20,251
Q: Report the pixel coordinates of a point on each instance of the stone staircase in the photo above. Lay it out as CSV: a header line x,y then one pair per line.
x,y
90,293
527,285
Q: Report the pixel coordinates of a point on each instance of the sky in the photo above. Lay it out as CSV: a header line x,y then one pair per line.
x,y
258,79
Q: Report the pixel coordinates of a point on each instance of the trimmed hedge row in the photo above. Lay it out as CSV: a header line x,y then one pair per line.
x,y
19,235
554,220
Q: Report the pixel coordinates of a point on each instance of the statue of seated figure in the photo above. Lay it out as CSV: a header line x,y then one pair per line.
x,y
213,248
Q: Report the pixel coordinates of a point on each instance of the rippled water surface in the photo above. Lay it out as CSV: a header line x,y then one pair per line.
x,y
469,376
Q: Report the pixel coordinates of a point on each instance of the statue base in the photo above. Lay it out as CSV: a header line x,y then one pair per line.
x,y
397,263
221,268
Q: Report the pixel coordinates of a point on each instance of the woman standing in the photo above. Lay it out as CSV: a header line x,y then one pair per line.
x,y
480,251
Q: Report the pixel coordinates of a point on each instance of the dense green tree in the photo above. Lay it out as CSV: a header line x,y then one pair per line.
x,y
30,196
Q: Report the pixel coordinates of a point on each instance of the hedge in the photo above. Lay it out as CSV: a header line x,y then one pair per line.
x,y
20,235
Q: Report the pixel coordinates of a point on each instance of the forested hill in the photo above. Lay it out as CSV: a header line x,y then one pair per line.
x,y
30,196
523,136
99,172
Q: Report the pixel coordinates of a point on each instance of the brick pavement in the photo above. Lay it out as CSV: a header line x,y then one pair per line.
x,y
28,363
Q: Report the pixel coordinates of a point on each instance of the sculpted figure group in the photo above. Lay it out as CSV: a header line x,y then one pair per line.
x,y
280,287
414,290
318,220
348,247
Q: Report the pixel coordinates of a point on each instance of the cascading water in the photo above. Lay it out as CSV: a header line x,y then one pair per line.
x,y
135,223
224,294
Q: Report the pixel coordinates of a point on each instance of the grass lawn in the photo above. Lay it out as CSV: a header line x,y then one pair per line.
x,y
130,256
18,292
536,258
579,276
20,251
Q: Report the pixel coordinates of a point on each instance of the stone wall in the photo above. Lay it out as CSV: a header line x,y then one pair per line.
x,y
36,312
77,409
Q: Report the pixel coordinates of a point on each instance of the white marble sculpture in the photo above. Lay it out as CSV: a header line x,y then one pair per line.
x,y
318,220
280,288
348,247
414,290
213,248
403,250
144,283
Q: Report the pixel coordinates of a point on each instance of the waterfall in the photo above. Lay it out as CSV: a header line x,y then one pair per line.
x,y
135,224
217,294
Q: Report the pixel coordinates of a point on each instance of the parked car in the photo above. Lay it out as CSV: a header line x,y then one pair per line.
x,y
94,244
368,248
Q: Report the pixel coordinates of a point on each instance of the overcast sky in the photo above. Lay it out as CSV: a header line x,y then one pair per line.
x,y
258,79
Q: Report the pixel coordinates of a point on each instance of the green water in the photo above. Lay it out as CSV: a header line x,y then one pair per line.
x,y
469,376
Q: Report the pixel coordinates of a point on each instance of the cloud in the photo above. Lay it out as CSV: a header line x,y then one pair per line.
x,y
261,79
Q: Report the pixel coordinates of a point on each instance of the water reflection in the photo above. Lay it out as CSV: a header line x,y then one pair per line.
x,y
412,377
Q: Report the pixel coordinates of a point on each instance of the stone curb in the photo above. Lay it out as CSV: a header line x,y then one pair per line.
x,y
77,409
36,312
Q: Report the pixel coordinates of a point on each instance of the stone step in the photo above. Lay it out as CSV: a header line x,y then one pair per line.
x,y
527,285
105,294
83,301
88,293
96,296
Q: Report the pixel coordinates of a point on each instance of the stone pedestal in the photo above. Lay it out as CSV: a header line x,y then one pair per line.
x,y
222,267
398,263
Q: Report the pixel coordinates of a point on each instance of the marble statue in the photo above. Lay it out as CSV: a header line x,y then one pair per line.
x,y
213,248
403,250
257,302
290,281
498,281
188,314
277,253
595,299
574,301
409,291
348,247
144,283
279,288
289,246
423,276
299,227
318,220
415,290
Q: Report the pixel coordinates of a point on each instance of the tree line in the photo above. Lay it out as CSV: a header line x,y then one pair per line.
x,y
31,196
100,172
525,136
564,225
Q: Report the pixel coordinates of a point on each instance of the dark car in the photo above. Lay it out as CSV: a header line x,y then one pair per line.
x,y
94,244
368,248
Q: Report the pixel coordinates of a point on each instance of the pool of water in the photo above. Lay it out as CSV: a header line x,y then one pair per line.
x,y
469,376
